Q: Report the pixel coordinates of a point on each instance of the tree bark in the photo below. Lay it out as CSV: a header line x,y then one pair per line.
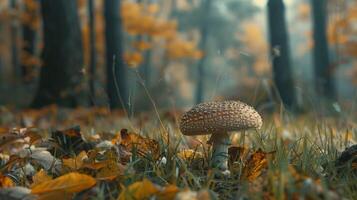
x,y
324,81
280,53
29,37
61,77
14,41
206,7
116,71
93,52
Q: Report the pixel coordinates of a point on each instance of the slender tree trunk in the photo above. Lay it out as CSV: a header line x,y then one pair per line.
x,y
61,77
206,6
116,71
93,52
14,37
280,53
324,82
29,37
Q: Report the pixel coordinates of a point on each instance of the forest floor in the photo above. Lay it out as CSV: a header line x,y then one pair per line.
x,y
57,153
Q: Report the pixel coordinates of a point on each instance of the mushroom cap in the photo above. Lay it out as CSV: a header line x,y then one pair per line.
x,y
219,117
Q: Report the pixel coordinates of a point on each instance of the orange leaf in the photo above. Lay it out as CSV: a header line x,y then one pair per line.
x,y
255,165
69,183
40,177
142,145
6,182
110,171
76,163
139,190
133,59
168,193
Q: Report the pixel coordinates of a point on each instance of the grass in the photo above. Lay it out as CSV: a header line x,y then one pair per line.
x,y
302,165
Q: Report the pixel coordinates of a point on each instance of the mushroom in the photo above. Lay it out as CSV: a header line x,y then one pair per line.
x,y
219,119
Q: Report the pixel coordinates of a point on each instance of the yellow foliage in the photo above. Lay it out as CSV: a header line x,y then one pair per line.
x,y
133,59
68,183
40,177
139,190
179,48
76,163
189,154
141,45
142,145
6,182
145,189
255,165
110,171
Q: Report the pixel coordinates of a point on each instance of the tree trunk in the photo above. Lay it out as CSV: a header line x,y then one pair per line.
x,y
29,47
206,6
280,53
14,40
116,71
93,53
61,77
324,82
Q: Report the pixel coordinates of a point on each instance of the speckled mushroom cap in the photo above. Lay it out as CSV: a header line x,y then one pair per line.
x,y
219,117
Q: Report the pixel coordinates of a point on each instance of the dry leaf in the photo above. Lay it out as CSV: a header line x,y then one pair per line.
x,y
189,154
142,145
76,163
168,193
139,190
69,183
254,166
110,171
40,177
6,182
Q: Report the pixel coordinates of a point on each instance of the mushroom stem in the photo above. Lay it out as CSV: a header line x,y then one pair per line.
x,y
220,143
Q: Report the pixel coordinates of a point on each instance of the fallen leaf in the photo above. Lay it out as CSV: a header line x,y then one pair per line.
x,y
168,193
75,163
6,182
189,154
40,177
110,171
143,146
139,190
69,183
254,166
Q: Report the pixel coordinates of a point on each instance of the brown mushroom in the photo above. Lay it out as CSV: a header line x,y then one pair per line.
x,y
218,119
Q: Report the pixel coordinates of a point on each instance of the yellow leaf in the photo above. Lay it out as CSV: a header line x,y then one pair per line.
x,y
110,171
141,45
40,177
133,59
139,190
6,182
69,183
189,154
152,8
255,165
76,163
168,193
143,145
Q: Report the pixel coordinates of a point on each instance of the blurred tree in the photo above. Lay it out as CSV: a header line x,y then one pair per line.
x,y
116,71
323,69
280,53
61,72
30,24
93,53
14,38
204,29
